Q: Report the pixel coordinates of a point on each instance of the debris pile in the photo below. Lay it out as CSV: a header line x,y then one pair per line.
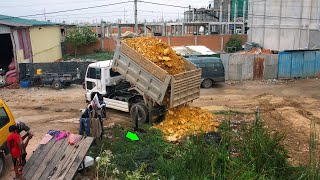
x,y
185,120
257,51
158,52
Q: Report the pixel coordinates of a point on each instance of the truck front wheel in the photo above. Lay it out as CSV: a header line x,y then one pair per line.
x,y
1,164
139,112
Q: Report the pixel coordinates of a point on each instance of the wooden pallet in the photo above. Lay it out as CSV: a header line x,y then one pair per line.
x,y
56,159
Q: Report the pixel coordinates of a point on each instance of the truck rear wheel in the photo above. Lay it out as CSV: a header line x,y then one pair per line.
x,y
139,112
2,165
56,85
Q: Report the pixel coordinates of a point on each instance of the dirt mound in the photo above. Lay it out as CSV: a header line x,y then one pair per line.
x,y
184,120
158,52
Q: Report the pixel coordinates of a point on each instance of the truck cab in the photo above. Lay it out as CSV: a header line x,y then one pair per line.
x,y
115,91
6,120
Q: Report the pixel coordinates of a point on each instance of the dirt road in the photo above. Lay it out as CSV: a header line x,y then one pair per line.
x,y
287,106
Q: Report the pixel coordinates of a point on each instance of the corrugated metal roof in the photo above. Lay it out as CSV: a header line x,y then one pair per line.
x,y
20,22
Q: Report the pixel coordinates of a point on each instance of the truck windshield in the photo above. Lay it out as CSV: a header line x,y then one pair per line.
x,y
4,119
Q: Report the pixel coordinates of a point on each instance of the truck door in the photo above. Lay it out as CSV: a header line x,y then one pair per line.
x,y
93,81
6,120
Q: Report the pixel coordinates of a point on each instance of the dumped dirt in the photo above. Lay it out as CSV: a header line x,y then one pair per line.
x,y
158,52
287,107
185,120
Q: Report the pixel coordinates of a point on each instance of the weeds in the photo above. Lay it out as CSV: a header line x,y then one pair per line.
x,y
247,152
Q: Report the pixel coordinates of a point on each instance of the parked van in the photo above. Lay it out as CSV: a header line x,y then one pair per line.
x,y
212,70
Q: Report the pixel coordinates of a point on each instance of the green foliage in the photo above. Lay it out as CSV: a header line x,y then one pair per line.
x,y
234,44
251,152
79,37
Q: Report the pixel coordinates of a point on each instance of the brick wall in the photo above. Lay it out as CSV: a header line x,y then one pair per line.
x,y
212,42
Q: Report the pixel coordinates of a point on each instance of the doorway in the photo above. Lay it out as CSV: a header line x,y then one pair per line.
x,y
6,51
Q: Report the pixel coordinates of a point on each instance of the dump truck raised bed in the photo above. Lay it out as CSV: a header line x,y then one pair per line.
x,y
151,89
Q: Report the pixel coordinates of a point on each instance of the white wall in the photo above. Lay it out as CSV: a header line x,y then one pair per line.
x,y
283,24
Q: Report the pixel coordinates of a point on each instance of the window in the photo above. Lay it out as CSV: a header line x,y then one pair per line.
x,y
94,73
4,119
90,85
114,74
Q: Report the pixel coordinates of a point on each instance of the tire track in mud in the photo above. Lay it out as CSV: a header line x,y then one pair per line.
x,y
288,116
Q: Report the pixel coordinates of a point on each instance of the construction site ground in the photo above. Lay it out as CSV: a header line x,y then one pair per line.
x,y
287,106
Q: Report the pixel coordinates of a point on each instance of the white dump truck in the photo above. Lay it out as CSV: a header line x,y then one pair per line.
x,y
131,83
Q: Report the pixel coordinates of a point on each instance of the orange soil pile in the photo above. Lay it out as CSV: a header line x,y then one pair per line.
x,y
185,120
158,52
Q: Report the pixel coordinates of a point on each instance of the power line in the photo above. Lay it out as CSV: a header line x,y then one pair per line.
x,y
70,10
44,4
160,4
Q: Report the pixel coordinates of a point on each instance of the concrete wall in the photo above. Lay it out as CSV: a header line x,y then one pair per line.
x,y
283,24
45,42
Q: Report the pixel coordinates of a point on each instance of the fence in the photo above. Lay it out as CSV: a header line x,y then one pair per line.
x,y
214,42
55,67
299,64
240,67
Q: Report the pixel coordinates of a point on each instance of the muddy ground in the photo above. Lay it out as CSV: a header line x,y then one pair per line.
x,y
287,107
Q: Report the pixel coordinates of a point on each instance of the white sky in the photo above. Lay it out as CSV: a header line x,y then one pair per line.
x,y
148,12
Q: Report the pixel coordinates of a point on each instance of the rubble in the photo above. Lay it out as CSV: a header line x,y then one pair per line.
x,y
158,52
257,51
185,120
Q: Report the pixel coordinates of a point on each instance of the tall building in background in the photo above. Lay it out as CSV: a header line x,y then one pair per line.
x,y
284,24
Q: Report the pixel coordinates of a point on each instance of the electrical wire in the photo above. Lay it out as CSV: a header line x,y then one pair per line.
x,y
160,4
70,10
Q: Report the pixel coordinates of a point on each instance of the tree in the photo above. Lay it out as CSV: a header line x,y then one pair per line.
x,y
234,44
79,37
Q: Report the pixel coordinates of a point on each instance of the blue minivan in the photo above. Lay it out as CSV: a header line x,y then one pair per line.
x,y
212,70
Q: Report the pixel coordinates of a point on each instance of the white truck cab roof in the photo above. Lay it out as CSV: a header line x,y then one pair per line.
x,y
101,64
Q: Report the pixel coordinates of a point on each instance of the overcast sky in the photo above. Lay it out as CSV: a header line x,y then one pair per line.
x,y
148,12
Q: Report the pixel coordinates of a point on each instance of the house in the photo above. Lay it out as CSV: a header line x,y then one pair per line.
x,y
27,41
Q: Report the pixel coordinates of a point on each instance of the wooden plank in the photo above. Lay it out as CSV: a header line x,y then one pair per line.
x,y
69,152
39,159
47,160
50,166
33,158
74,168
70,160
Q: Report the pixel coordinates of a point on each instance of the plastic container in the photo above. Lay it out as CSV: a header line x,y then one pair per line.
x,y
25,83
39,71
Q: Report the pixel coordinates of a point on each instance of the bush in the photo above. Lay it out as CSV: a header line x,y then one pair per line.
x,y
234,44
79,37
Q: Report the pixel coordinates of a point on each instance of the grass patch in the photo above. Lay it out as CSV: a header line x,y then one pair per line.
x,y
100,56
250,152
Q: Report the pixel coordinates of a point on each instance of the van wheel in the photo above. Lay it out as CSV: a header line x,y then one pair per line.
x,y
2,165
142,110
207,83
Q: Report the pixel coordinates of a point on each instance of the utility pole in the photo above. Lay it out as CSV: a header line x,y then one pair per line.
x,y
136,16
44,14
124,15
